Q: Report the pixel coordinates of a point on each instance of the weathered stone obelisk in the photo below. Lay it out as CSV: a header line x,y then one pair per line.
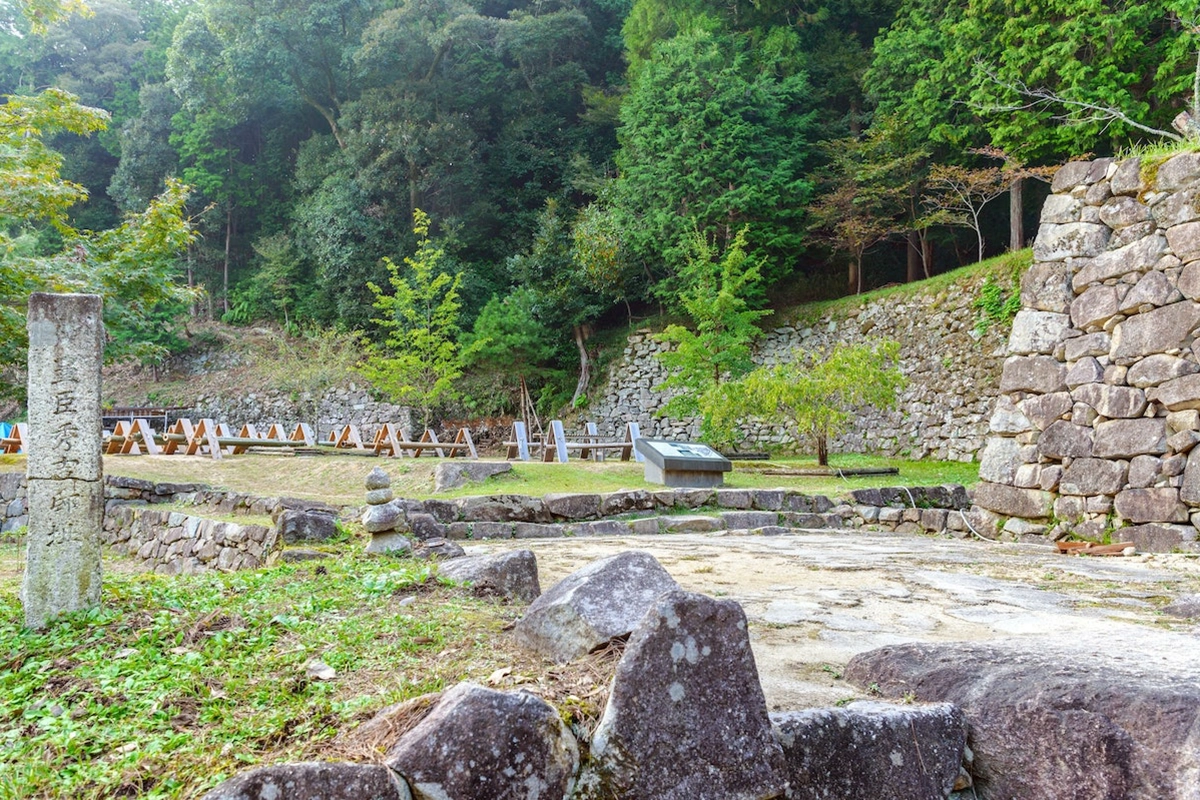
x,y
66,487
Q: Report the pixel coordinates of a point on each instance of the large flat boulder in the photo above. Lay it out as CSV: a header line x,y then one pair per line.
x,y
454,474
1047,721
686,718
592,606
511,575
481,744
313,781
870,749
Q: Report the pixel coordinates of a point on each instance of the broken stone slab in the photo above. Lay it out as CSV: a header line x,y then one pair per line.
x,y
1094,307
481,744
1158,331
1045,409
453,475
1008,418
686,718
1092,344
872,750
743,520
625,501
313,781
1154,289
510,575
586,610
1043,716
605,527
1086,370
691,523
734,498
1000,459
443,549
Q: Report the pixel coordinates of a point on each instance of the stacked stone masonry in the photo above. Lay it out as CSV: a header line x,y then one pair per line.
x,y
172,542
943,413
1099,403
325,412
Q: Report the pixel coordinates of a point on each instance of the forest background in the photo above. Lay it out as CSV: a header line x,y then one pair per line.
x,y
564,163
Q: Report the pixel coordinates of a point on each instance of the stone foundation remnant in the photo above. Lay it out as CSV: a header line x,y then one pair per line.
x,y
1099,404
65,472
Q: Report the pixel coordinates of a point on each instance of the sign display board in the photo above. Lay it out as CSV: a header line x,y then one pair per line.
x,y
683,463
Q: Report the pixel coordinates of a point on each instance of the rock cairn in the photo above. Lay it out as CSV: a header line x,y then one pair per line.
x,y
384,519
1099,404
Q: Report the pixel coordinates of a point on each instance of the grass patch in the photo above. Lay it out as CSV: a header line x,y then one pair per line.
x,y
175,683
339,479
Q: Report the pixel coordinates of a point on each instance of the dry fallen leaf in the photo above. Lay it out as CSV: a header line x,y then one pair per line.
x,y
499,675
319,671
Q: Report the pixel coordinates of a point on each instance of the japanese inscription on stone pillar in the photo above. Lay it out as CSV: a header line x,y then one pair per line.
x,y
65,471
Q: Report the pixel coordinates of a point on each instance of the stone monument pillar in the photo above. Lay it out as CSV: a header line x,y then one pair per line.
x,y
66,487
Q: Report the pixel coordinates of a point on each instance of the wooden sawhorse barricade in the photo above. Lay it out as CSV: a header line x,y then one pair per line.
x,y
390,440
14,440
558,446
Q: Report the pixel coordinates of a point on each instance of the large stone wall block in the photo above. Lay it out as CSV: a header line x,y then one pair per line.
x,y
1153,290
1046,286
1043,410
1150,505
1037,332
1007,418
1092,344
1177,172
1127,178
1184,241
1086,370
870,749
1094,307
1189,491
1072,240
1060,209
1159,331
1093,476
1121,212
1178,394
1040,374
1013,502
1159,537
1126,438
1070,175
1188,282
1159,368
1143,471
1114,402
686,718
1137,256
1065,439
1178,208
1000,460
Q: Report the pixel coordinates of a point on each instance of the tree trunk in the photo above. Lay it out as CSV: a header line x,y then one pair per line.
x,y
228,246
585,363
927,256
913,257
822,450
1016,222
853,276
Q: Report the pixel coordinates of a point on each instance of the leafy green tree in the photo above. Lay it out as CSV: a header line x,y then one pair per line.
x,y
419,358
817,394
510,346
718,349
710,141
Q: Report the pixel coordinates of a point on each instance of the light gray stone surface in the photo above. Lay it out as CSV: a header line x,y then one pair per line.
x,y
65,489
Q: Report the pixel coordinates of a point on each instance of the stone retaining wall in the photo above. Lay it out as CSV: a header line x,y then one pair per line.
x,y
171,542
14,510
1099,403
943,413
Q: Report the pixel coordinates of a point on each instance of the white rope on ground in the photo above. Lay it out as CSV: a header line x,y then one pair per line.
x,y
971,527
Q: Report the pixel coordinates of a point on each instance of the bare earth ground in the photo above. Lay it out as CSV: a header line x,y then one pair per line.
x,y
816,599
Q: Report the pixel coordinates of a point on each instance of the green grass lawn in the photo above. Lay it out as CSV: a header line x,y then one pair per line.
x,y
175,683
339,479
